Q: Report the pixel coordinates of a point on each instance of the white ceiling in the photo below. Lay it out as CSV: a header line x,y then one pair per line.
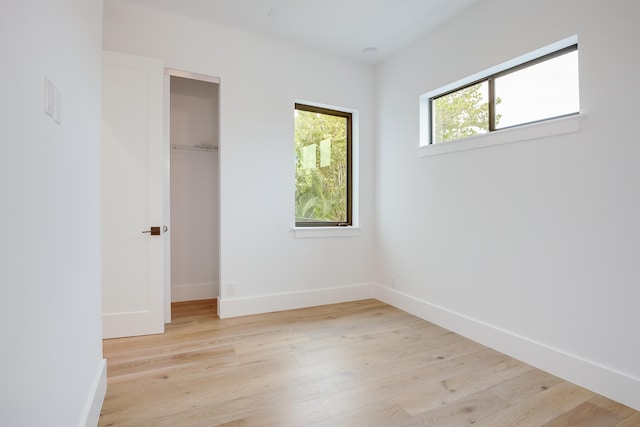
x,y
344,27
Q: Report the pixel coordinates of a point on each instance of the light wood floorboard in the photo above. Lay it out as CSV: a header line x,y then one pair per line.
x,y
355,364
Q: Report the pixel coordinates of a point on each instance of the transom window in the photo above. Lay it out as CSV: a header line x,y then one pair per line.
x,y
323,166
539,89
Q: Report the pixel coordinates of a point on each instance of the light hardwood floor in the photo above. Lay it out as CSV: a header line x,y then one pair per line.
x,y
354,364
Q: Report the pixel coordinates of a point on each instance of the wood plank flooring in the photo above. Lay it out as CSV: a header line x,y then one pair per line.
x,y
355,364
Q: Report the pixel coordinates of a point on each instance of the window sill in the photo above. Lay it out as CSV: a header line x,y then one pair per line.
x,y
560,126
315,232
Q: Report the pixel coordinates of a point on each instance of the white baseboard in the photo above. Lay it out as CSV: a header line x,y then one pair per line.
x,y
194,291
593,376
98,390
232,307
598,378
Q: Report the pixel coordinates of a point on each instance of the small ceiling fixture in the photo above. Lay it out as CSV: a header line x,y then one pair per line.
x,y
273,12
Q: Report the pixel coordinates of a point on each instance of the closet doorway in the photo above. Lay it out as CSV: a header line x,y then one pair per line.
x,y
194,186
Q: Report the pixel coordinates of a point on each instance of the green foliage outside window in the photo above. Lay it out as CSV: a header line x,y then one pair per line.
x,y
321,167
462,113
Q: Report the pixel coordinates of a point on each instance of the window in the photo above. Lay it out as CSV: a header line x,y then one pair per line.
x,y
323,166
542,88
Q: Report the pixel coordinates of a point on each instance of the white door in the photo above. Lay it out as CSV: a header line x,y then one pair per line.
x,y
132,196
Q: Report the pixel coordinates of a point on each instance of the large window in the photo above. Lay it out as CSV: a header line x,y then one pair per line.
x,y
540,89
323,166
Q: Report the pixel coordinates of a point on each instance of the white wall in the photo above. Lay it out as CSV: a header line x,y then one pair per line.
x,y
528,247
531,247
50,236
260,80
194,191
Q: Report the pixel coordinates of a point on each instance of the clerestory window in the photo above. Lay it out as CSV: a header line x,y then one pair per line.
x,y
542,88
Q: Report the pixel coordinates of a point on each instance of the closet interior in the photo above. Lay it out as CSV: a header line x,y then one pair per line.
x,y
194,200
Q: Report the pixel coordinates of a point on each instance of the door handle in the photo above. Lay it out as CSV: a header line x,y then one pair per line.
x,y
155,231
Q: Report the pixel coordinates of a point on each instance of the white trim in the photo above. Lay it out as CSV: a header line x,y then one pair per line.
x,y
193,291
425,113
182,294
130,324
325,106
355,173
616,385
601,379
166,132
191,75
233,307
310,232
543,129
98,390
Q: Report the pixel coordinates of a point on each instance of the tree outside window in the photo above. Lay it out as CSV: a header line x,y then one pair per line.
x,y
323,162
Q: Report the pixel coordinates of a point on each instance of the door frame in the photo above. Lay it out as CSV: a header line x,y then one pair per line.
x,y
168,73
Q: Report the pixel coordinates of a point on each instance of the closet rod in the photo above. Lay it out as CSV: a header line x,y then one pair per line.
x,y
194,147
